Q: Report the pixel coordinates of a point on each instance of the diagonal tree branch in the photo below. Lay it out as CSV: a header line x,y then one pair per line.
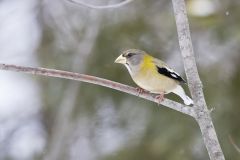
x,y
98,81
200,108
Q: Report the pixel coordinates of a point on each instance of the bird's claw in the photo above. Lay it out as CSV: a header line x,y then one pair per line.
x,y
141,91
160,98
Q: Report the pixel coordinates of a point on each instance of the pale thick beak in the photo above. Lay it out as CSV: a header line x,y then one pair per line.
x,y
121,60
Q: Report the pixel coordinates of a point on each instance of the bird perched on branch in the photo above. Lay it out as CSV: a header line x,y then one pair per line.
x,y
153,75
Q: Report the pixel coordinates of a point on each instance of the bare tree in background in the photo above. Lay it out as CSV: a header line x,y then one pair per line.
x,y
63,127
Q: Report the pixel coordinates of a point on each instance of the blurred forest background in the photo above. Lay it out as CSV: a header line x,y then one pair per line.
x,y
44,118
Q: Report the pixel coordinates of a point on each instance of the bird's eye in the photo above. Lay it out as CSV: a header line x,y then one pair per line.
x,y
130,55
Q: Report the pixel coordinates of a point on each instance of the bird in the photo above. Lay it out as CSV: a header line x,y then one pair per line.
x,y
153,75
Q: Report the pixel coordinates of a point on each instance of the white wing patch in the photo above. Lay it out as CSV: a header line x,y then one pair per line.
x,y
171,70
174,75
170,73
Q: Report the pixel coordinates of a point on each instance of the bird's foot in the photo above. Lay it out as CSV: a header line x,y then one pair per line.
x,y
141,91
160,98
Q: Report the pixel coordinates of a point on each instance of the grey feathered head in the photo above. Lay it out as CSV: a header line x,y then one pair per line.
x,y
131,58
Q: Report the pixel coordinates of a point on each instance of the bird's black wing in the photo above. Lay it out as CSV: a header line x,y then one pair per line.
x,y
165,70
170,73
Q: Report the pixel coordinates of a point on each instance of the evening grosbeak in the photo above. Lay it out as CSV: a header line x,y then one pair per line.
x,y
152,74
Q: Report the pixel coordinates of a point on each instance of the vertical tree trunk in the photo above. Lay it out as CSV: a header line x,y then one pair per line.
x,y
203,117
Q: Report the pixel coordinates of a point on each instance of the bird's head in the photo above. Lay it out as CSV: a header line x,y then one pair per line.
x,y
131,58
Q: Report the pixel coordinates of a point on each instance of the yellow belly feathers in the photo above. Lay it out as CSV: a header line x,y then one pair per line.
x,y
149,79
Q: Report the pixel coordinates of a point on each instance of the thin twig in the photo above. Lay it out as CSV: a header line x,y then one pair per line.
x,y
98,81
102,6
234,144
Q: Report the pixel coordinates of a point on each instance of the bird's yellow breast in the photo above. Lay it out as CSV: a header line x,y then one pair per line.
x,y
149,79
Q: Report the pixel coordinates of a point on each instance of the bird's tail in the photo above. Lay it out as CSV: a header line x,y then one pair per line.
x,y
180,92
